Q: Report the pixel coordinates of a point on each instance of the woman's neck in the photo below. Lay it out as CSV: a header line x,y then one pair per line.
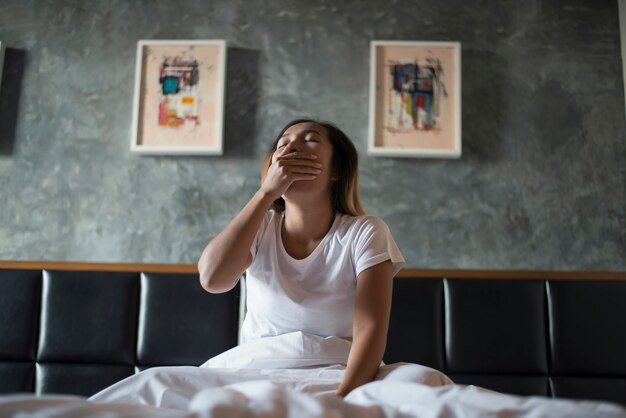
x,y
307,224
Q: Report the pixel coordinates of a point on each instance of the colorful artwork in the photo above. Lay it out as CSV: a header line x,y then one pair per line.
x,y
415,99
179,97
178,103
417,92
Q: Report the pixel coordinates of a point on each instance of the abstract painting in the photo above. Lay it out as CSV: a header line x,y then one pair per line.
x,y
179,97
415,99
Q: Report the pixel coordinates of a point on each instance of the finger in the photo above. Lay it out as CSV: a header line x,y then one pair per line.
x,y
304,170
297,155
292,173
299,163
302,177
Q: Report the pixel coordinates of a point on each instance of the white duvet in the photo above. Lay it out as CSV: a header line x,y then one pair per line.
x,y
266,398
295,376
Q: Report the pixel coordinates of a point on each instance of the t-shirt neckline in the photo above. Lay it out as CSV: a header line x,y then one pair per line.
x,y
317,249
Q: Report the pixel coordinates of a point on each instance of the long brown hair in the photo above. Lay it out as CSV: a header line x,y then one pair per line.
x,y
345,167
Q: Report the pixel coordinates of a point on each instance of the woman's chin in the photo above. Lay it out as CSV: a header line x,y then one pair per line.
x,y
302,189
300,186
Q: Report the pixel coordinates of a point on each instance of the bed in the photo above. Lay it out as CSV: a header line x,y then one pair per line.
x,y
516,342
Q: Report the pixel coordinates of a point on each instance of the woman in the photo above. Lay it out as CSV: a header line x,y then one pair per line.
x,y
318,283
315,265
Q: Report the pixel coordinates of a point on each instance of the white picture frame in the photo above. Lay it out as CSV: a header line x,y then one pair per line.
x,y
415,99
178,100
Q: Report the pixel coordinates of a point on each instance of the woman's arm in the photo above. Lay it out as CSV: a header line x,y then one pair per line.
x,y
371,322
227,255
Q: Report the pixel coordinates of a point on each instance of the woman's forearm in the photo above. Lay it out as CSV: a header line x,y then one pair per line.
x,y
227,255
372,308
366,354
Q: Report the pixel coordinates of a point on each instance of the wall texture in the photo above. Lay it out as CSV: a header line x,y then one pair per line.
x,y
541,183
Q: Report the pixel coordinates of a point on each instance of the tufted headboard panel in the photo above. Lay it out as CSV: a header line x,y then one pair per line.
x,y
77,328
519,332
71,331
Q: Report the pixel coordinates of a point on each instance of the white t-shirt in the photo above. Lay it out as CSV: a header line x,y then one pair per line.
x,y
316,294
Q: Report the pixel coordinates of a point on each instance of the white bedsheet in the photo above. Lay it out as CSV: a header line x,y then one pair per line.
x,y
268,399
249,381
177,387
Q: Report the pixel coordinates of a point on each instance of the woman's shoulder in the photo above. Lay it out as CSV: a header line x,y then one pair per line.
x,y
354,224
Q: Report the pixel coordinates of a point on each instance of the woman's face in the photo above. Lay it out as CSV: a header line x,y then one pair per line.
x,y
311,138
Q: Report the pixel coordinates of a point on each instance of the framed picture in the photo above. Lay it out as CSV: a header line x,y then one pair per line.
x,y
179,97
415,99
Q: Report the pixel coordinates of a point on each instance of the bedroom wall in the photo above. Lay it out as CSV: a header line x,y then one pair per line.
x,y
541,183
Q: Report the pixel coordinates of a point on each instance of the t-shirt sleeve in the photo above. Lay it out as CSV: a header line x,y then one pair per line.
x,y
259,233
374,244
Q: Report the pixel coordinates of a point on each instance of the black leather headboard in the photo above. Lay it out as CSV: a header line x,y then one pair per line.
x,y
80,331
561,338
551,334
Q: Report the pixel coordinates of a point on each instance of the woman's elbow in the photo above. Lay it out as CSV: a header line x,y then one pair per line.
x,y
210,286
206,282
210,282
206,276
218,276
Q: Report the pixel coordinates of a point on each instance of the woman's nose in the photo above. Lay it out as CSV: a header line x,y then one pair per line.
x,y
292,147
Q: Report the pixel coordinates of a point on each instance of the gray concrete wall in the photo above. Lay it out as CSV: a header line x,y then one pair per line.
x,y
541,183
622,25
